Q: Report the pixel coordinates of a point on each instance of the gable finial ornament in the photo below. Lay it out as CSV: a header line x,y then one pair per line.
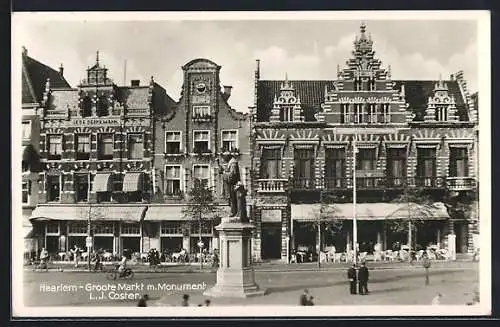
x,y
97,58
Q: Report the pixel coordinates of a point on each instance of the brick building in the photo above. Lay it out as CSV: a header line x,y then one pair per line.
x,y
96,152
413,139
190,140
34,75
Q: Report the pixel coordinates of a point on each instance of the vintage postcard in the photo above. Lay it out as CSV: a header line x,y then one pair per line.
x,y
251,164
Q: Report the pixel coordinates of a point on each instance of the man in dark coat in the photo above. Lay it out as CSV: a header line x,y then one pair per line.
x,y
351,275
143,301
363,275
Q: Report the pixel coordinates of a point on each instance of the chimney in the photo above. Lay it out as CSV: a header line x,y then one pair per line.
x,y
257,69
135,82
227,91
61,70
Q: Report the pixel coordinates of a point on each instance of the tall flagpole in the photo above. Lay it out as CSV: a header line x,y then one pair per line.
x,y
354,218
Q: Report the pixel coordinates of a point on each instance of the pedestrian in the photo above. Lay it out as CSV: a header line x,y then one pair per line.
x,y
143,301
437,299
185,300
76,253
207,302
351,275
304,298
363,276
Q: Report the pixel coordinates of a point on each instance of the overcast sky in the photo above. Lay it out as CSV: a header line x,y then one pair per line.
x,y
303,49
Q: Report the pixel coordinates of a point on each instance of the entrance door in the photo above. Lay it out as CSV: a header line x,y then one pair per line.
x,y
271,241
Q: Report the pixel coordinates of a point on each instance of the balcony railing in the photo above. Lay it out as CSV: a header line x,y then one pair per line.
x,y
335,183
271,185
304,183
428,182
460,183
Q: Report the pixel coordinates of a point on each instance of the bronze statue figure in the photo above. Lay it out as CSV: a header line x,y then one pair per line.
x,y
231,177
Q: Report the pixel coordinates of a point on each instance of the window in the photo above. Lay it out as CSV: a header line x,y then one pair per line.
x,y
173,142
26,192
201,141
130,229
171,227
78,228
426,166
304,168
286,113
441,113
358,113
52,228
173,180
270,164
366,159
345,115
82,145
206,227
357,85
229,140
335,167
53,188
104,228
459,162
26,132
201,111
117,182
105,146
386,112
202,172
86,107
372,85
54,147
396,166
81,185
102,106
135,146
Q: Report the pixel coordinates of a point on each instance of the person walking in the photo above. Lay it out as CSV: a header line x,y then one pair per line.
x,y
351,275
437,299
306,299
363,276
185,300
76,254
143,301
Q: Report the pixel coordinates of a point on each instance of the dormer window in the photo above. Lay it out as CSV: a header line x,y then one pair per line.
x,y
441,113
286,114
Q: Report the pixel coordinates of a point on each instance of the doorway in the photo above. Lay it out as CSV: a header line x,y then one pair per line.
x,y
271,241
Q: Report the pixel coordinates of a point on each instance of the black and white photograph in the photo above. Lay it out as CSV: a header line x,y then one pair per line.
x,y
251,164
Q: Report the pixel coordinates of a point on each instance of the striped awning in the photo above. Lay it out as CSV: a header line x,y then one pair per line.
x,y
370,211
132,182
102,183
131,213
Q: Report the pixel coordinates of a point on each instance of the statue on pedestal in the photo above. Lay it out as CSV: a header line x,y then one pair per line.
x,y
231,177
241,194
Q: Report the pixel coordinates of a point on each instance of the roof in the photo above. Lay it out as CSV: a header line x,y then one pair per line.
x,y
312,93
34,77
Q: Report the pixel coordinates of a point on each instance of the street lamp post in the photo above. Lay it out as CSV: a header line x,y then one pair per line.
x,y
89,237
354,199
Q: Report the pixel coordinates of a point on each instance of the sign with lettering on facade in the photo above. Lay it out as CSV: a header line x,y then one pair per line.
x,y
95,121
271,215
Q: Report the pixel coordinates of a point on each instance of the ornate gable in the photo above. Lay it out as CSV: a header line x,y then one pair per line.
x,y
287,107
441,106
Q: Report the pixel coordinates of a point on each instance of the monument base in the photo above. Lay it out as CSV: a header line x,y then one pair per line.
x,y
235,276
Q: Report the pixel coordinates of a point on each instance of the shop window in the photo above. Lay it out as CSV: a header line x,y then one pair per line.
x,y
52,228
78,228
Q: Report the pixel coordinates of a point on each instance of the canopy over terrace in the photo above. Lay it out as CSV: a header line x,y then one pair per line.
x,y
97,212
370,211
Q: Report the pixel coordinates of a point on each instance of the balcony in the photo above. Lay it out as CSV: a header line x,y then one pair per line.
x,y
460,183
428,182
271,185
335,183
299,183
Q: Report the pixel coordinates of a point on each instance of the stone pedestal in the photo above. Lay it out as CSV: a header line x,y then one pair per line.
x,y
235,276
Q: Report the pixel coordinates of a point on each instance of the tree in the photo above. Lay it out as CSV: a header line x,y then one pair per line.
x,y
420,205
201,206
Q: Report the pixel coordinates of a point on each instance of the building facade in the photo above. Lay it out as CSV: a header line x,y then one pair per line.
x,y
190,143
96,153
34,74
402,141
